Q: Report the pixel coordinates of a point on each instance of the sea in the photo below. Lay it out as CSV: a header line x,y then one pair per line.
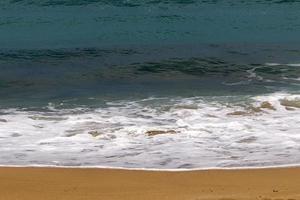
x,y
152,84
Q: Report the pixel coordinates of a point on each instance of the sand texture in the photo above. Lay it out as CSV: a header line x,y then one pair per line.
x,y
109,184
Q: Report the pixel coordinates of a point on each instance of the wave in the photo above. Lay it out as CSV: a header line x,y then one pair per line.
x,y
232,131
38,67
37,77
204,65
278,64
60,54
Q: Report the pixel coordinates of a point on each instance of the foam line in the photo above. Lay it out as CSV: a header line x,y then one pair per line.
x,y
153,169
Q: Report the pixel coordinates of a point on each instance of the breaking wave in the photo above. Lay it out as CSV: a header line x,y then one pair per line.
x,y
245,131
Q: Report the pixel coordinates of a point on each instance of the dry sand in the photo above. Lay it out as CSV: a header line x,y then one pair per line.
x,y
102,184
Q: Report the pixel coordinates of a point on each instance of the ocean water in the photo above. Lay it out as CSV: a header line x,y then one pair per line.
x,y
165,84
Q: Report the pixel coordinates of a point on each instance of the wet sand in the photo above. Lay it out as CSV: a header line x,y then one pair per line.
x,y
110,184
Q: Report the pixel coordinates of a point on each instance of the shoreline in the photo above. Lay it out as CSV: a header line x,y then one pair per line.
x,y
102,167
94,183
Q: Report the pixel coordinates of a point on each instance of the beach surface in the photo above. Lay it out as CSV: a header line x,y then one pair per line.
x,y
112,184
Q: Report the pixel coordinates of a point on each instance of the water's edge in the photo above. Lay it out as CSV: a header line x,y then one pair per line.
x,y
152,169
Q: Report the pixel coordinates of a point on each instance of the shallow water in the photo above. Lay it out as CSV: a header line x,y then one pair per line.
x,y
203,132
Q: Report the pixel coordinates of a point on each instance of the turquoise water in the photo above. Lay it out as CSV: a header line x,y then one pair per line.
x,y
83,81
80,24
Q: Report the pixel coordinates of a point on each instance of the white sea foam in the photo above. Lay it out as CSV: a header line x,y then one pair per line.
x,y
210,133
284,64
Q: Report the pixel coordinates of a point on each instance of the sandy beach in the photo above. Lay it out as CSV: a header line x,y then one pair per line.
x,y
111,184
